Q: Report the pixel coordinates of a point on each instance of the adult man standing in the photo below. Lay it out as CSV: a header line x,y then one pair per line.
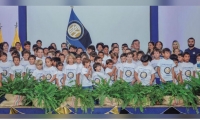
x,y
193,51
135,45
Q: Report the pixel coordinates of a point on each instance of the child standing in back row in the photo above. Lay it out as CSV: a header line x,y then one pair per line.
x,y
166,67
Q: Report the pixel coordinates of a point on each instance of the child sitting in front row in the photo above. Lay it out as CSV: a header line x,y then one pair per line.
x,y
97,75
38,73
17,70
145,73
110,71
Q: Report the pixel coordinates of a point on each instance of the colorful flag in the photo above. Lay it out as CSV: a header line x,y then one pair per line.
x,y
77,34
1,36
16,38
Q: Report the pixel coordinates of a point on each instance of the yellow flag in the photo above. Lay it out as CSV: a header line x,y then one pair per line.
x,y
1,36
63,110
113,111
14,111
16,38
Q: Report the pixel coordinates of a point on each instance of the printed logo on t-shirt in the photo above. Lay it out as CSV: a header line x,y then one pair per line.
x,y
167,70
143,75
97,80
48,76
128,73
188,73
70,75
5,72
156,69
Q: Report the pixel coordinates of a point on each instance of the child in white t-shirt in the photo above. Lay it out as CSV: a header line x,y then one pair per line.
x,y
60,76
24,62
176,69
5,66
49,71
98,60
110,71
39,52
97,75
154,64
197,66
16,71
166,67
86,74
145,73
31,67
62,59
71,71
38,72
127,69
119,65
187,68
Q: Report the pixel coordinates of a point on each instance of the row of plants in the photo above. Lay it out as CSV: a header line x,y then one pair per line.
x,y
48,96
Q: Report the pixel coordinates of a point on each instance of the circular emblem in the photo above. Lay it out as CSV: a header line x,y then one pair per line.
x,y
61,80
143,74
75,30
70,75
167,70
97,80
128,73
5,72
41,77
188,73
48,76
156,69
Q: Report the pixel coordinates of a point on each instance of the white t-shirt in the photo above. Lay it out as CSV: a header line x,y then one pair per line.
x,y
59,76
86,82
38,74
118,66
154,64
166,68
9,57
30,68
128,71
177,69
197,69
24,63
187,70
5,66
108,77
98,76
144,73
71,71
17,70
49,72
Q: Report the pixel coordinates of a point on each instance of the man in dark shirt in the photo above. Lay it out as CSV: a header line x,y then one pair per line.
x,y
192,50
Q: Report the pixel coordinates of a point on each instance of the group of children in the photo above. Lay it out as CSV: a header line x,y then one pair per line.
x,y
73,66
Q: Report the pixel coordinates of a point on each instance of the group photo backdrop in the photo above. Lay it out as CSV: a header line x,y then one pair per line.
x,y
107,24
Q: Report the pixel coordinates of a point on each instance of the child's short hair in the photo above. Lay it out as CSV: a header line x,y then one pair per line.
x,y
56,59
101,44
38,62
61,55
174,57
186,53
65,49
130,53
71,55
124,45
133,51
113,55
123,55
105,46
198,55
17,43
57,51
96,58
78,56
49,58
53,53
16,57
140,52
156,50
180,54
27,43
12,49
93,54
38,41
166,50
96,65
114,48
45,48
91,47
38,48
15,52
145,58
35,46
101,52
51,47
5,54
25,52
84,54
59,64
32,56
109,61
63,44
85,60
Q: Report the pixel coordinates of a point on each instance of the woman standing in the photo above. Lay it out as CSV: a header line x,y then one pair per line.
x,y
150,48
176,45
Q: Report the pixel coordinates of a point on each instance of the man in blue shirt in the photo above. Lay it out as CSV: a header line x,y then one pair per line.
x,y
193,51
